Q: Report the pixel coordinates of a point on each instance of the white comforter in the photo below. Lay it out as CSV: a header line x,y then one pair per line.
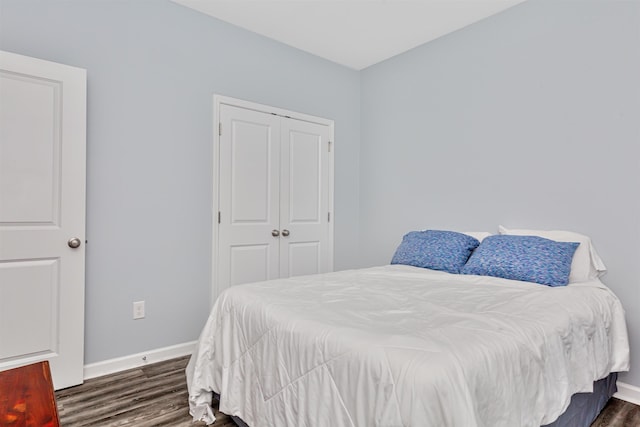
x,y
403,346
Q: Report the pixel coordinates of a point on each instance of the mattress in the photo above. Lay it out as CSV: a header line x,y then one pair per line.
x,y
404,346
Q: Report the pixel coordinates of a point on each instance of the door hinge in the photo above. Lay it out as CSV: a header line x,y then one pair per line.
x,y
328,216
329,146
220,129
219,217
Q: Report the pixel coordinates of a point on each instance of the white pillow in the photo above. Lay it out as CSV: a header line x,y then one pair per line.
x,y
586,264
478,235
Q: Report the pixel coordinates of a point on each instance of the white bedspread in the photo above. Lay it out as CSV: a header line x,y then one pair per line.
x,y
399,346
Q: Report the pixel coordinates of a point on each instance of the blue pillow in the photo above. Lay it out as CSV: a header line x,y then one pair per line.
x,y
526,258
436,250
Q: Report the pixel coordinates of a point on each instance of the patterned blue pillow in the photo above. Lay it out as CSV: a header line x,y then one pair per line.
x,y
436,250
526,258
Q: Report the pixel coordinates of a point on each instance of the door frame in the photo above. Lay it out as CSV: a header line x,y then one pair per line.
x,y
218,101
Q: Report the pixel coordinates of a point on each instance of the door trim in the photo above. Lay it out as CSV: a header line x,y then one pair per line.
x,y
218,101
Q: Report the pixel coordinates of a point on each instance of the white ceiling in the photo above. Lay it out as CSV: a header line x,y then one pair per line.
x,y
354,33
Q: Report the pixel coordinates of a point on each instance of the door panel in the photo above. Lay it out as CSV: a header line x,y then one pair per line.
x,y
42,206
249,168
39,292
304,258
251,172
257,257
29,175
305,189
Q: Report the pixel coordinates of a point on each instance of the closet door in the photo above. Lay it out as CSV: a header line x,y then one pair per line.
x,y
273,196
249,168
304,198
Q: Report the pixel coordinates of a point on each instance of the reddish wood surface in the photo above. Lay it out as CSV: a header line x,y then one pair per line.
x,y
26,397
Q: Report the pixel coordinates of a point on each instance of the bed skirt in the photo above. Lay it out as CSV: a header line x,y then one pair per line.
x,y
582,411
585,407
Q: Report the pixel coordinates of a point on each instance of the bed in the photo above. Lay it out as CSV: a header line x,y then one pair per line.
x,y
401,345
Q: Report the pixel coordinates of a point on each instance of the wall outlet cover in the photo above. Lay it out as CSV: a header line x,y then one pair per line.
x,y
138,310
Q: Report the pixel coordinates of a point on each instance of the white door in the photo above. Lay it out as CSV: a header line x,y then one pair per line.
x,y
273,197
249,196
42,209
304,198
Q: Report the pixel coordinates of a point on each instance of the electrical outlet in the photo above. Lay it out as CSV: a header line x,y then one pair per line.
x,y
138,310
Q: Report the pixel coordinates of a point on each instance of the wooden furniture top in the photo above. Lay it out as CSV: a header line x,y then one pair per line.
x,y
26,397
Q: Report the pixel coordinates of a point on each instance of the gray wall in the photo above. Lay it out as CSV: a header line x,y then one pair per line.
x,y
153,67
530,119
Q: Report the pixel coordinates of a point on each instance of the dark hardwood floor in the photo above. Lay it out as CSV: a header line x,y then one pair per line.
x,y
618,413
152,395
156,395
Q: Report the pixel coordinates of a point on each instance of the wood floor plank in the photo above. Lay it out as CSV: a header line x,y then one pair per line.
x,y
123,397
156,395
618,413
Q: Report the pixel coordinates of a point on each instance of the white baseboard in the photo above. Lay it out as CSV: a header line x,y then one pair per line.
x,y
110,366
628,393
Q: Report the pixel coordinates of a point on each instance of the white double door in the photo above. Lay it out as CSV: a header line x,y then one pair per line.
x,y
274,197
42,215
